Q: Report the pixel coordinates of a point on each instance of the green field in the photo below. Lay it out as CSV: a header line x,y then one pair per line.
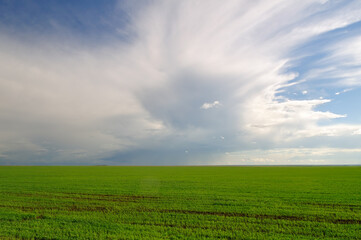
x,y
180,202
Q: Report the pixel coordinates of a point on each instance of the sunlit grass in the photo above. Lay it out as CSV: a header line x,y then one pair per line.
x,y
180,202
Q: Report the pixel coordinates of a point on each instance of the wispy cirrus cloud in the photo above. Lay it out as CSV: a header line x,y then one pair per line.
x,y
342,64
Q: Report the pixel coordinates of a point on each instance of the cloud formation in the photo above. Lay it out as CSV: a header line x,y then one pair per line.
x,y
292,156
138,95
210,105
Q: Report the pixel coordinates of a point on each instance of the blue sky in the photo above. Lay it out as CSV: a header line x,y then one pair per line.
x,y
180,82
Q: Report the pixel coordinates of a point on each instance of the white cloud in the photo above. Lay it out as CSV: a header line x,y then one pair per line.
x,y
357,132
291,156
210,105
343,91
331,131
284,119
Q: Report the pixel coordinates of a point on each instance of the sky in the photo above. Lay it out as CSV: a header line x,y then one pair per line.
x,y
191,82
